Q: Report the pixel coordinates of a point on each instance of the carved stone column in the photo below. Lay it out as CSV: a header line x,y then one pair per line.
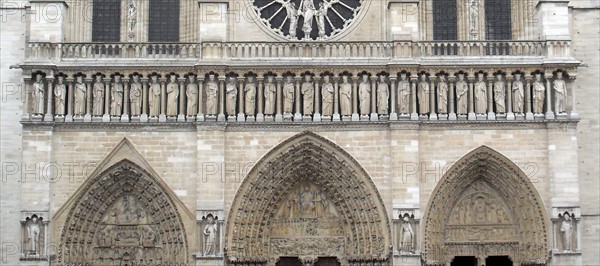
x,y
241,116
182,99
260,117
471,115
27,99
549,112
393,114
163,100
528,100
490,100
432,98
574,114
413,95
88,100
452,97
106,116
144,115
298,98
374,115
336,99
71,102
125,114
200,115
221,116
279,106
509,113
49,117
355,116
317,100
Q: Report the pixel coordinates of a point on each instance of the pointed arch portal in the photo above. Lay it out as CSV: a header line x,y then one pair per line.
x,y
307,199
485,207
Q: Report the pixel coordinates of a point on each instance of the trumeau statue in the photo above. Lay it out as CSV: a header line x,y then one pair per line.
x,y
288,95
308,94
98,97
154,97
231,96
423,93
116,95
191,92
403,94
38,95
80,92
406,236
500,94
135,95
480,95
60,96
172,96
364,93
250,96
346,97
33,235
538,94
442,93
566,227
327,92
212,89
210,237
560,93
270,93
462,90
383,95
518,94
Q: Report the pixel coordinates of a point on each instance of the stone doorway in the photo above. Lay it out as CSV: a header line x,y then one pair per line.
x,y
498,261
464,261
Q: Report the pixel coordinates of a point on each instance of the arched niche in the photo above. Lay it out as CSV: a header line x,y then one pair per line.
x,y
307,198
485,206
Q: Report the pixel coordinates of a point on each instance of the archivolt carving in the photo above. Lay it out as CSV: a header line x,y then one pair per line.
x,y
307,197
124,218
483,206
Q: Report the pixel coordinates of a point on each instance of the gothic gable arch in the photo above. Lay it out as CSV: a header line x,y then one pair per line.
x,y
267,221
485,206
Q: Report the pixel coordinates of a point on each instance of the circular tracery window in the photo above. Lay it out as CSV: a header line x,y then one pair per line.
x,y
308,19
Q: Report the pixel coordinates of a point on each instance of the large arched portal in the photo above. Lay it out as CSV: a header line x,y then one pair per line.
x,y
124,216
307,199
485,208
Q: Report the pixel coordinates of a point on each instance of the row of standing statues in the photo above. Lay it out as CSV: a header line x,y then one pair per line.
x,y
305,98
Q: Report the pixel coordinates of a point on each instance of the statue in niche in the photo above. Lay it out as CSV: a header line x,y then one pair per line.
x,y
308,95
500,94
250,96
172,96
292,14
538,94
80,92
270,93
364,93
442,93
346,97
33,235
566,227
327,92
191,93
461,94
116,93
154,97
406,236
231,96
383,96
403,94
210,237
423,95
212,89
480,95
288,95
60,96
560,93
98,96
38,95
308,14
518,94
135,95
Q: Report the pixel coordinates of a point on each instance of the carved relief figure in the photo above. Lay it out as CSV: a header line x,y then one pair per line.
x,y
518,94
135,96
565,230
442,93
116,94
38,95
403,94
346,96
98,97
250,96
212,88
406,236
538,94
560,93
383,96
308,93
500,95
231,97
33,235
423,95
80,92
480,95
172,96
210,237
60,95
270,93
154,97
191,93
327,96
292,15
364,93
461,94
288,95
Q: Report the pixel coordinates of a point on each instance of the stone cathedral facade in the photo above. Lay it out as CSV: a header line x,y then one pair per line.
x,y
300,132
